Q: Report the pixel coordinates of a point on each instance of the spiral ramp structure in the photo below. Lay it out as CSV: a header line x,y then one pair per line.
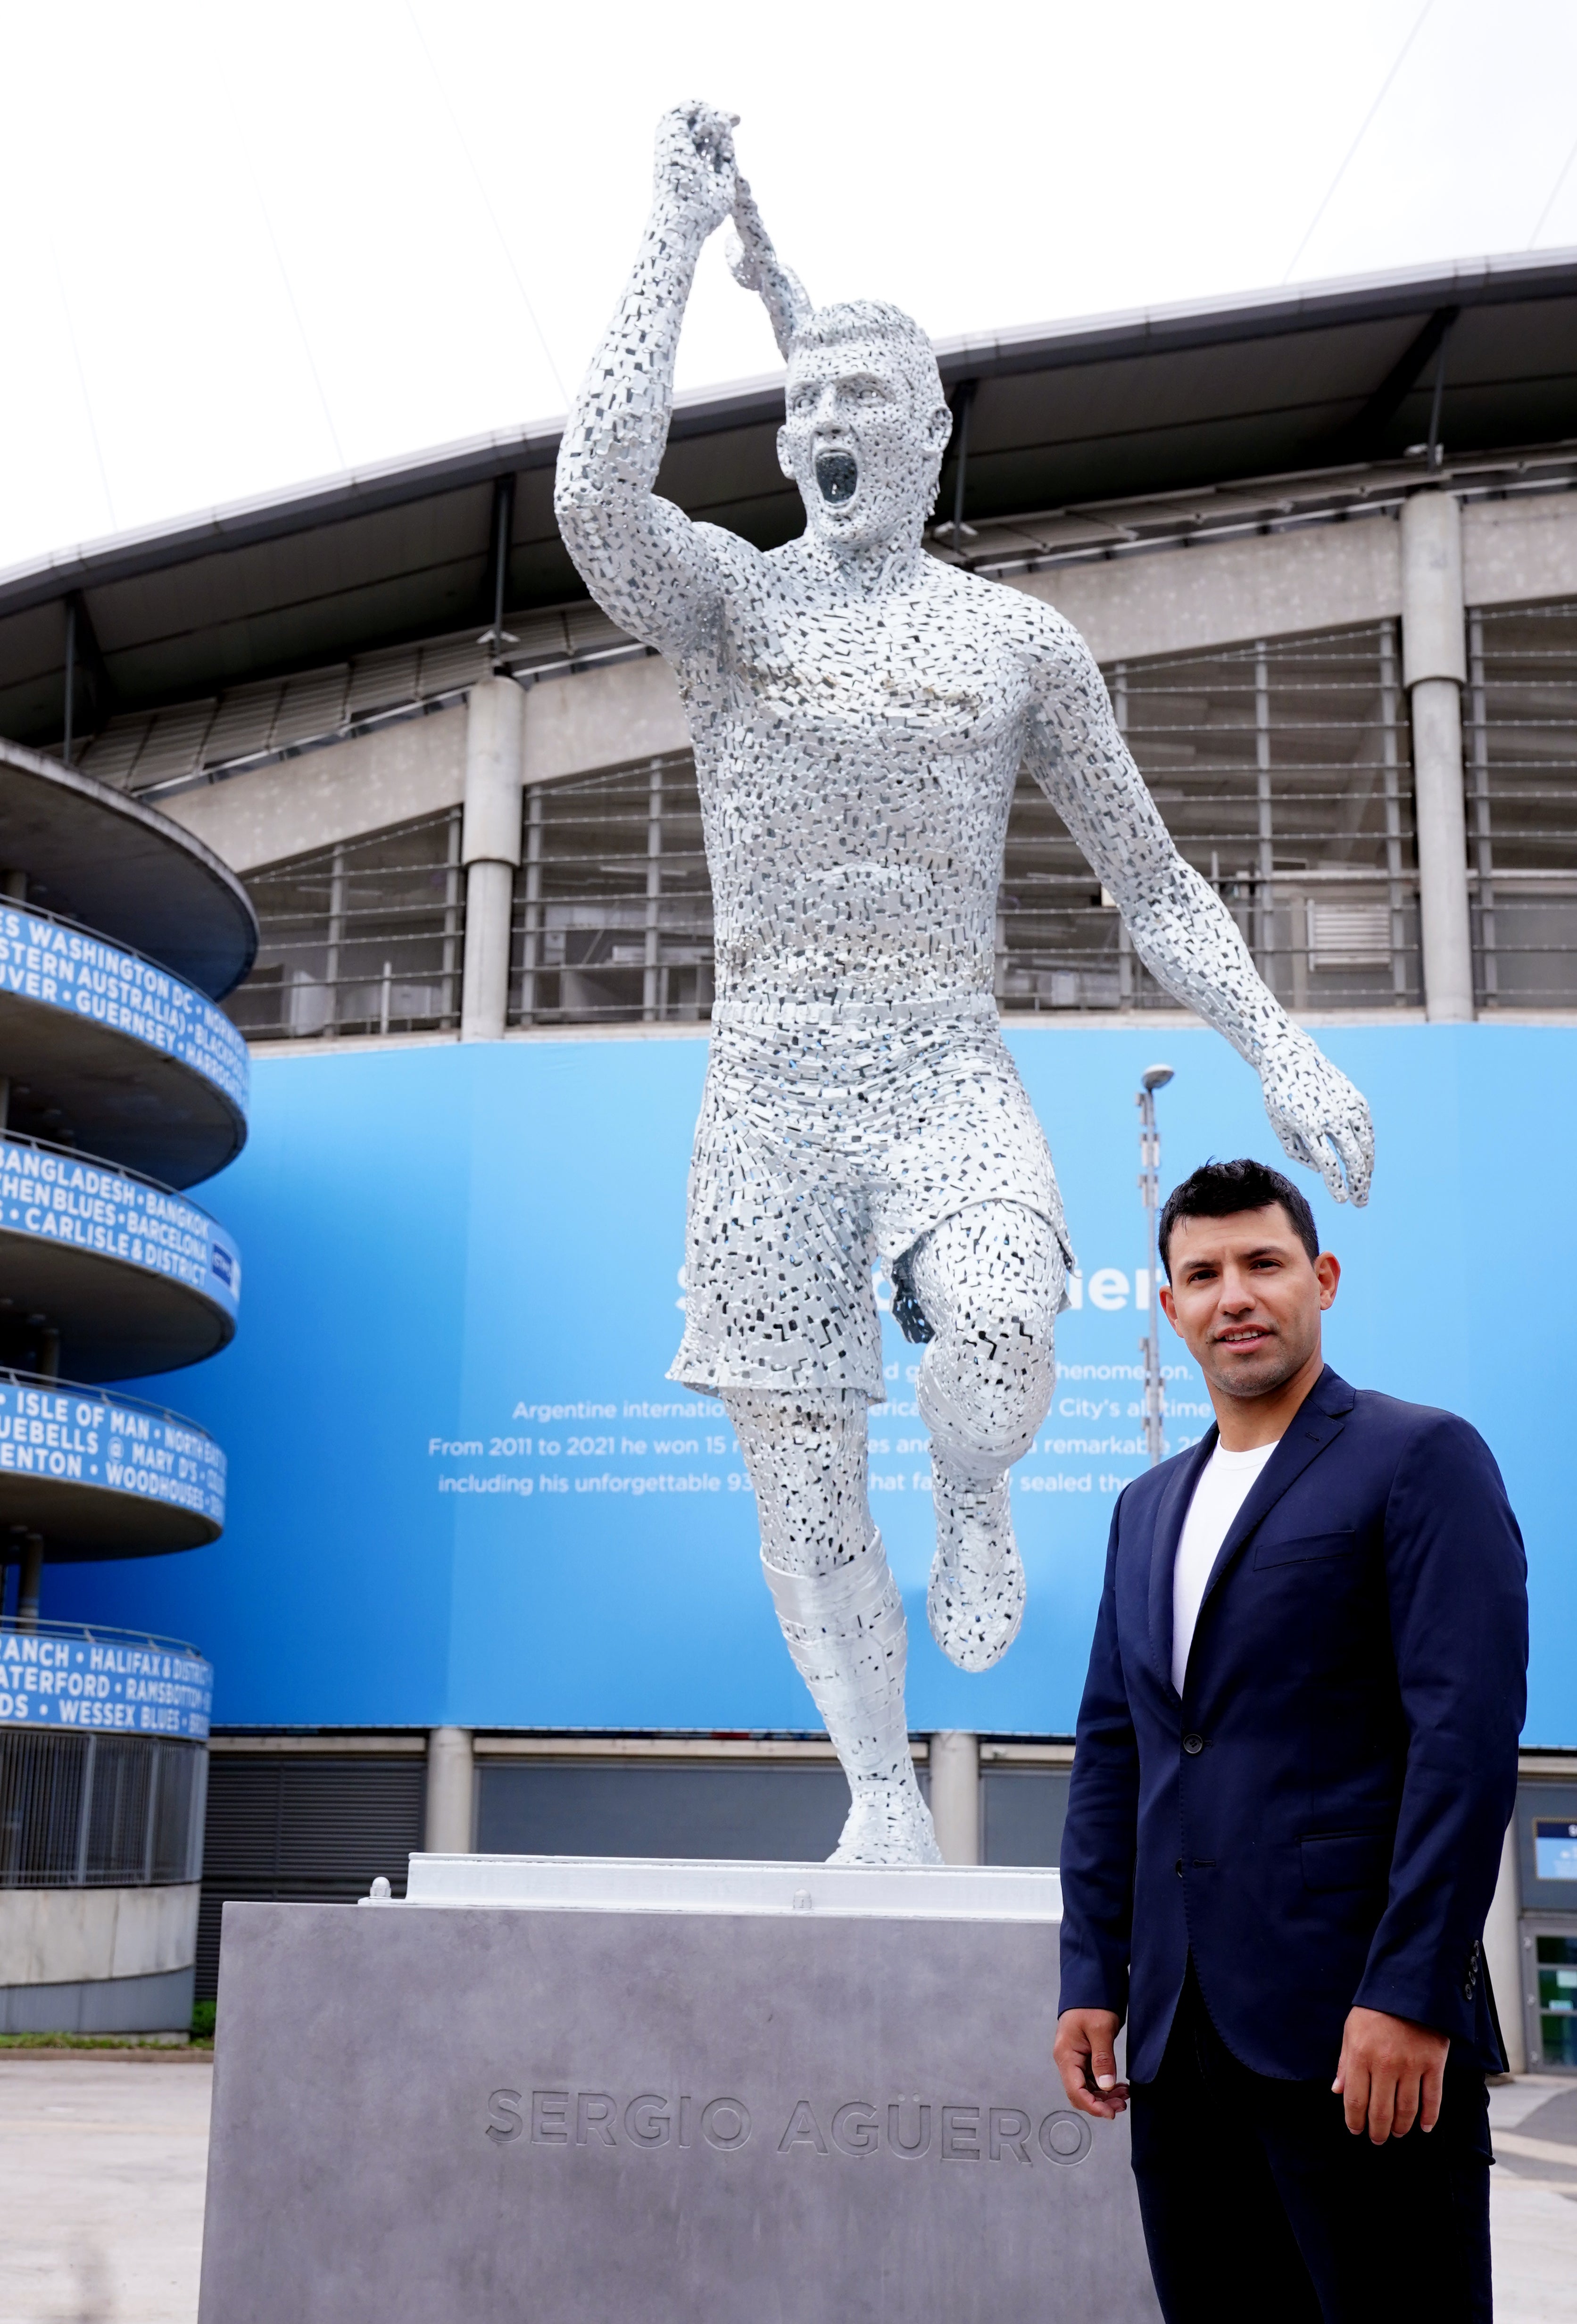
x,y
123,1086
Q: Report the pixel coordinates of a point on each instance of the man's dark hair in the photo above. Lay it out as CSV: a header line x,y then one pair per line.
x,y
1217,1190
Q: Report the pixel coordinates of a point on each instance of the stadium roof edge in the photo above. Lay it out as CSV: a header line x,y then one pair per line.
x,y
1223,320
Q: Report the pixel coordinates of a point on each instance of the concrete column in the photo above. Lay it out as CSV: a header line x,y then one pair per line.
x,y
447,1827
484,979
956,1796
1503,1952
490,850
1435,670
28,1592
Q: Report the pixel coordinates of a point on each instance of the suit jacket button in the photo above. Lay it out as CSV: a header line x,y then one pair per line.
x,y
1178,1868
1194,1745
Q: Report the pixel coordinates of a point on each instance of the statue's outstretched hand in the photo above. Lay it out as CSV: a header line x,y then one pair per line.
x,y
695,169
1321,1120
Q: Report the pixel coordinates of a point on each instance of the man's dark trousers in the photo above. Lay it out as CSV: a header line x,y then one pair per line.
x,y
1259,2207
1316,1822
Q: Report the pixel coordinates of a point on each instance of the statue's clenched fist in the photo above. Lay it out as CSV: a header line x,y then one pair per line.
x,y
1321,1120
695,171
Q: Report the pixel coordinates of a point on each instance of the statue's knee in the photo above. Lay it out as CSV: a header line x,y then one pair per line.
x,y
1005,1342
998,1260
984,1392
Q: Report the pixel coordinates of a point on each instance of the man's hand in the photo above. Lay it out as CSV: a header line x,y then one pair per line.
x,y
695,164
1084,2053
1319,1117
1391,2074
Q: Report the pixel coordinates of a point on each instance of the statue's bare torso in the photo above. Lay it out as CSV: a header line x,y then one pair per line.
x,y
856,763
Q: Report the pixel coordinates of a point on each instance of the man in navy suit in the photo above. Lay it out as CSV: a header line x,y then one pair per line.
x,y
1296,1758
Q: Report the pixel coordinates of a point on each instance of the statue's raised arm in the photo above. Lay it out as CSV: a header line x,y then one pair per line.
x,y
647,567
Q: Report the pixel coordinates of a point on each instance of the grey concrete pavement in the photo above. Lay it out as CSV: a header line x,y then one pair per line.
x,y
1532,2199
103,2160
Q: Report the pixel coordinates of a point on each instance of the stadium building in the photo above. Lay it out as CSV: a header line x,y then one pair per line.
x,y
487,1578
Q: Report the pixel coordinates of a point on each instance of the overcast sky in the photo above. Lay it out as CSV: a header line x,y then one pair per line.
x,y
249,246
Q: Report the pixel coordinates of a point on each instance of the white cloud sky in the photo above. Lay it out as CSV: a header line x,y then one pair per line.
x,y
245,247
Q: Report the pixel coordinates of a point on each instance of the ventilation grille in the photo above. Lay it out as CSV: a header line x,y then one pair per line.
x,y
303,1830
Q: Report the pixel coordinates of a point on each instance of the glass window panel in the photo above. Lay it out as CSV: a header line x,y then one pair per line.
x,y
1555,1971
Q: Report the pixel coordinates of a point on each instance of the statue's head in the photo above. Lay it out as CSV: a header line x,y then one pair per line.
x,y
866,424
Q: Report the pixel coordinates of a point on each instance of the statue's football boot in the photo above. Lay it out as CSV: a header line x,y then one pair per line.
x,y
887,1825
975,1601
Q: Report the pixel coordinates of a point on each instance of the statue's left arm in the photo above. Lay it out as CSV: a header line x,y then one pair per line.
x,y
1181,929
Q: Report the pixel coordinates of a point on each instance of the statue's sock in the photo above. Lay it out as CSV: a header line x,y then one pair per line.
x,y
846,1633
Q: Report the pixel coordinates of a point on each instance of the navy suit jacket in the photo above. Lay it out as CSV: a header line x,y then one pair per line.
x,y
1319,1819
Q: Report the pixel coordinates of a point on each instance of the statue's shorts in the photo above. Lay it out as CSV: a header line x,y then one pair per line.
x,y
823,1145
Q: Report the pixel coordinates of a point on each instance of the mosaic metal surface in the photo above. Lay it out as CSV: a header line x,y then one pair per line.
x,y
859,711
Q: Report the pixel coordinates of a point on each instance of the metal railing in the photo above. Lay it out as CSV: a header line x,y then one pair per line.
x,y
20,1376
612,907
99,1810
1282,769
1519,721
366,936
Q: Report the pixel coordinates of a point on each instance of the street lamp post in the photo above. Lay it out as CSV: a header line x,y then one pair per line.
x,y
1150,1186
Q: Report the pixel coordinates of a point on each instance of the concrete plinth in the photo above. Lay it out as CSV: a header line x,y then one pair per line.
x,y
592,2091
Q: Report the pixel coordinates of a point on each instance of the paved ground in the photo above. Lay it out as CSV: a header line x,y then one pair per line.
x,y
1533,2200
102,2160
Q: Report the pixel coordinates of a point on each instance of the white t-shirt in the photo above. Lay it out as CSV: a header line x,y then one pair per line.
x,y
1223,1486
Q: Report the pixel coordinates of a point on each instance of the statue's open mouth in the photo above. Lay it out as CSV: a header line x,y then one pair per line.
x,y
836,476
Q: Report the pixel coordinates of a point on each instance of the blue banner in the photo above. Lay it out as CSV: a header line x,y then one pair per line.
x,y
61,1676
447,1405
92,1207
66,967
80,1437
